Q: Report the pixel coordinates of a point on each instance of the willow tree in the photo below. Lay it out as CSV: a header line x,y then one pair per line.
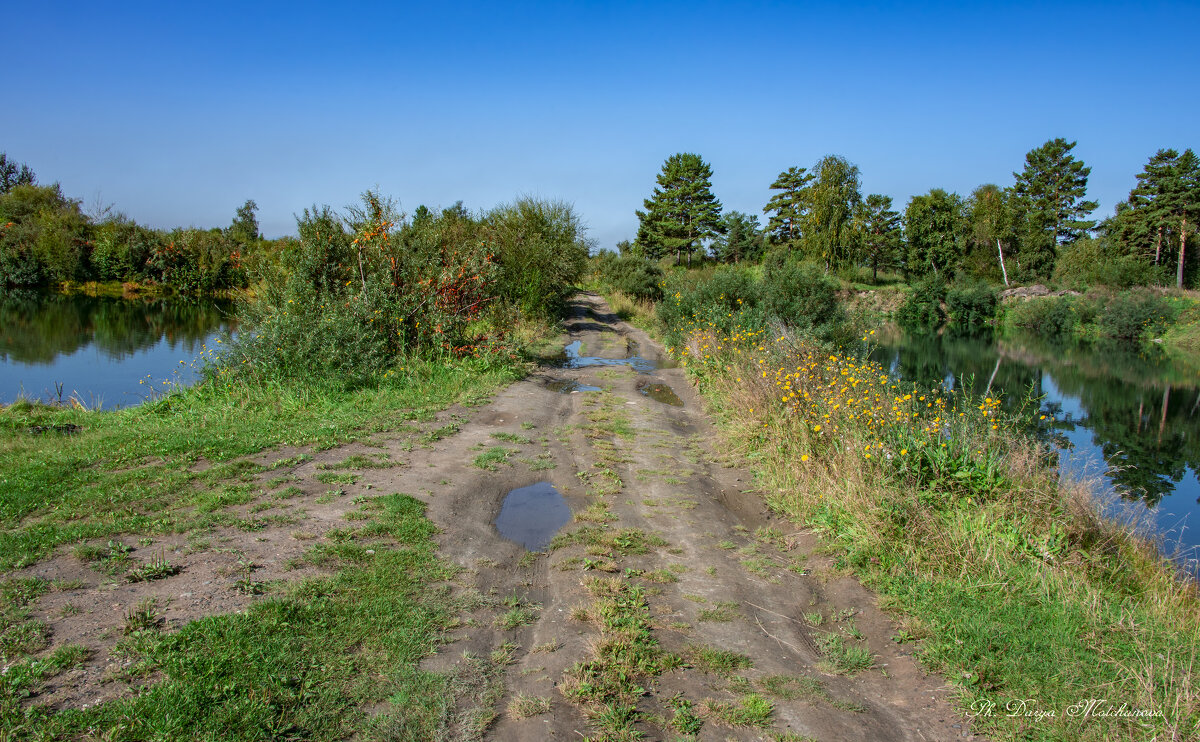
x,y
832,199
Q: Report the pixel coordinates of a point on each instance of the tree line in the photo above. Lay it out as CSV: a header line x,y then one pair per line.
x,y
1040,228
46,238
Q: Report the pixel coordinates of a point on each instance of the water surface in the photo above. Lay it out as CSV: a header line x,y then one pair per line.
x,y
1123,413
532,515
104,352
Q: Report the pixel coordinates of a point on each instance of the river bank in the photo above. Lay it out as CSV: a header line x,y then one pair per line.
x,y
1010,581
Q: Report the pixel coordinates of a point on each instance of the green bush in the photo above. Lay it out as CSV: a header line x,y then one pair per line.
x,y
1092,262
638,277
922,310
540,248
801,296
359,292
971,305
1134,314
726,299
1049,317
43,236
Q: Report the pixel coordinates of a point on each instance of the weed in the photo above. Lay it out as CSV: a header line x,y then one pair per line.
x,y
718,661
721,612
157,568
143,617
547,647
512,438
524,706
751,710
662,576
493,458
516,617
685,721
841,656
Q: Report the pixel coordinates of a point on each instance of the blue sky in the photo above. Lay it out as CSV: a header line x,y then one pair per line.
x,y
177,113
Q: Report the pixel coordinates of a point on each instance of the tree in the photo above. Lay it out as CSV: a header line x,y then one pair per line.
x,y
1050,199
244,228
1183,203
682,212
990,229
832,198
13,174
1163,210
935,230
879,232
742,238
788,208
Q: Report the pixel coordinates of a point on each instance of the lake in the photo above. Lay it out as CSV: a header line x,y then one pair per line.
x,y
104,352
1123,413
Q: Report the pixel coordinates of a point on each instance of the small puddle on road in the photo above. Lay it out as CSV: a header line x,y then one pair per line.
x,y
567,386
574,360
532,515
661,393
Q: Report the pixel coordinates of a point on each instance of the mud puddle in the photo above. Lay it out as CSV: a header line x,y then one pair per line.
x,y
660,393
574,359
567,386
532,515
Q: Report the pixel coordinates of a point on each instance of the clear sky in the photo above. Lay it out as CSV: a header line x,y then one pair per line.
x,y
179,112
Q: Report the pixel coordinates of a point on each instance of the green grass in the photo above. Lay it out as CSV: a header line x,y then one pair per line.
x,y
721,612
718,661
303,664
751,710
492,458
123,472
1014,586
626,655
512,438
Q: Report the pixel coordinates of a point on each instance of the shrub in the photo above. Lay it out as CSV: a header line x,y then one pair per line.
x,y
638,277
729,297
540,249
801,296
971,304
922,310
358,292
1091,262
1133,314
1050,317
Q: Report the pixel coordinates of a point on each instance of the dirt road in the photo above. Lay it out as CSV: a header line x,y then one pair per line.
x,y
656,596
639,467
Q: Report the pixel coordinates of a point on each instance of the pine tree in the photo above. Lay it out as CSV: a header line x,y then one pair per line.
x,y
879,232
1181,203
1050,198
742,240
1162,211
682,212
788,208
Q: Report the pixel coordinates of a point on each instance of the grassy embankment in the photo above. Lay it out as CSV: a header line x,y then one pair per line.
x,y
1010,584
1169,318
325,356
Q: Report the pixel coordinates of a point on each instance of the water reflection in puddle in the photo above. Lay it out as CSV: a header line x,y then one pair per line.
x,y
661,393
532,515
567,386
573,359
